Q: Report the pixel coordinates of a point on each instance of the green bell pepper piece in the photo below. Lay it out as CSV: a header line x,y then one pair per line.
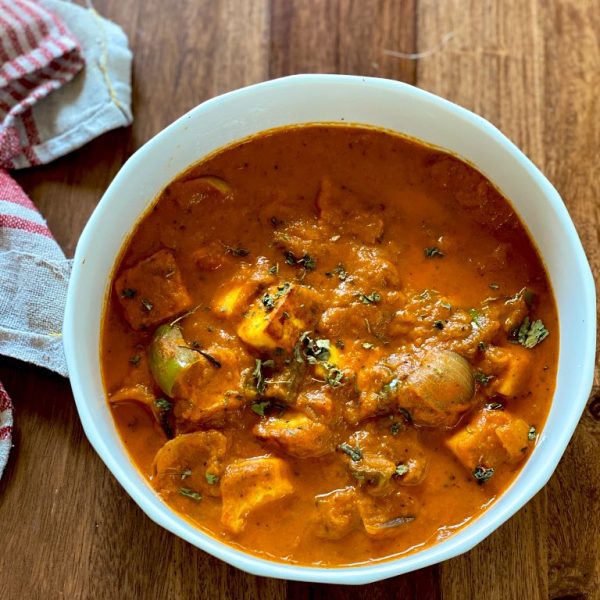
x,y
169,356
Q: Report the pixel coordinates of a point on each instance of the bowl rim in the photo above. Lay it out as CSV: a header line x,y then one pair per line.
x,y
363,573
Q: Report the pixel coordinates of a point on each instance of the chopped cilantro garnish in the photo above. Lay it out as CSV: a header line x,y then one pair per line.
x,y
260,407
372,298
211,478
368,345
531,434
314,350
128,293
432,252
530,333
482,378
335,377
395,428
306,261
235,250
269,301
317,351
340,271
191,494
401,469
354,453
474,313
259,378
439,325
162,404
274,269
482,474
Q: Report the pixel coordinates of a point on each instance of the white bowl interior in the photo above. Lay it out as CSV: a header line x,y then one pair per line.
x,y
330,98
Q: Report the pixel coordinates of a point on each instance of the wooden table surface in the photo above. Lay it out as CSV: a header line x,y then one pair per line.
x,y
532,67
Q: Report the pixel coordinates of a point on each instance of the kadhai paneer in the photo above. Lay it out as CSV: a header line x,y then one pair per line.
x,y
330,344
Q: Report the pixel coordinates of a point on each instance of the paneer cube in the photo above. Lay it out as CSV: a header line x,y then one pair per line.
x,y
249,484
152,291
295,434
277,318
336,513
511,368
194,461
514,437
232,300
383,516
207,393
493,438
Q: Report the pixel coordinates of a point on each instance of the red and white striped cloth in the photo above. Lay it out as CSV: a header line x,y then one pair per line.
x,y
38,55
6,425
27,314
41,118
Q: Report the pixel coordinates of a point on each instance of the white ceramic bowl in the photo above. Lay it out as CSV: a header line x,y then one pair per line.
x,y
332,98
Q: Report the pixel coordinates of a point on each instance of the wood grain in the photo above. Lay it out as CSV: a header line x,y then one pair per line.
x,y
533,70
346,36
572,139
530,66
492,65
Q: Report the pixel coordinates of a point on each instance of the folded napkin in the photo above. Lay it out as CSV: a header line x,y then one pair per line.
x,y
64,80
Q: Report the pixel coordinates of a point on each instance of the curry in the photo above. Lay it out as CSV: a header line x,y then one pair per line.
x,y
330,344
